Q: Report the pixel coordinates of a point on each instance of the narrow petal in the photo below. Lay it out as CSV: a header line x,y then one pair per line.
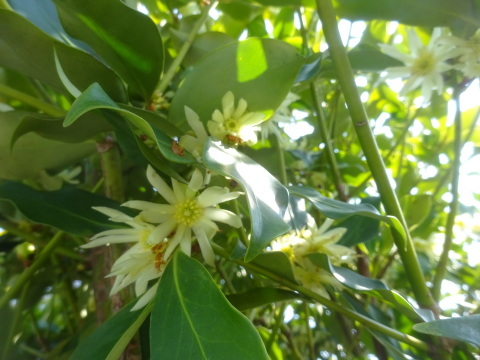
x,y
161,232
161,186
196,181
178,190
195,123
205,245
114,215
186,242
147,206
224,216
240,110
217,116
111,239
173,243
228,104
146,298
215,195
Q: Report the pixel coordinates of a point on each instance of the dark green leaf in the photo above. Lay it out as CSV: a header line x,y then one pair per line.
x,y
33,154
261,71
110,339
267,197
259,297
95,98
127,40
373,287
335,209
464,328
276,262
68,209
27,49
311,68
192,319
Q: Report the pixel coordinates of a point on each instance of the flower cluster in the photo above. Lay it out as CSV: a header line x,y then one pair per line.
x,y
190,214
233,125
310,241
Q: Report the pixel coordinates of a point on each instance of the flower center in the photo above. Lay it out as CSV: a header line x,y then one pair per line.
x,y
231,125
187,212
424,64
144,234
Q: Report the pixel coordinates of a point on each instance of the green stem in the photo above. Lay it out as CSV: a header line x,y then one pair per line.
x,y
322,126
30,100
281,160
375,162
243,232
168,76
458,145
112,168
43,256
276,326
16,319
371,324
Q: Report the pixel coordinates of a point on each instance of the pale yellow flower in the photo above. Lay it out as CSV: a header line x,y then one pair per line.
x,y
423,66
194,141
234,124
188,210
141,263
468,52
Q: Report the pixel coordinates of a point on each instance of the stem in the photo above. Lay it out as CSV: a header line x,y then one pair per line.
x,y
43,256
168,76
112,168
243,232
372,324
281,160
30,100
458,145
322,126
276,326
370,149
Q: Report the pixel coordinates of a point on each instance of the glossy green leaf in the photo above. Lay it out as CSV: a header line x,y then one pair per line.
x,y
464,328
192,319
360,228
413,12
276,262
335,209
95,98
416,209
260,296
32,154
127,40
68,209
372,287
52,128
202,45
43,14
31,52
111,338
261,71
267,197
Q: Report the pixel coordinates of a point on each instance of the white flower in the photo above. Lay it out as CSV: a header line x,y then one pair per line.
x,y
194,142
315,278
187,211
322,240
468,51
141,263
234,124
424,66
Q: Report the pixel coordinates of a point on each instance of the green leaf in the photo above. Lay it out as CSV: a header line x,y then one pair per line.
x,y
261,296
192,319
335,209
31,52
413,12
33,154
261,71
372,287
52,128
111,338
95,98
68,209
267,197
416,209
276,262
464,328
127,40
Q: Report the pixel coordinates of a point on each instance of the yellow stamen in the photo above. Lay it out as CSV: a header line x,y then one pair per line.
x,y
187,212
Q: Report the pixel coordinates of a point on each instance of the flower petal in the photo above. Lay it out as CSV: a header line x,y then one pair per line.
x,y
224,216
205,245
196,181
215,195
228,104
195,124
162,231
161,186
